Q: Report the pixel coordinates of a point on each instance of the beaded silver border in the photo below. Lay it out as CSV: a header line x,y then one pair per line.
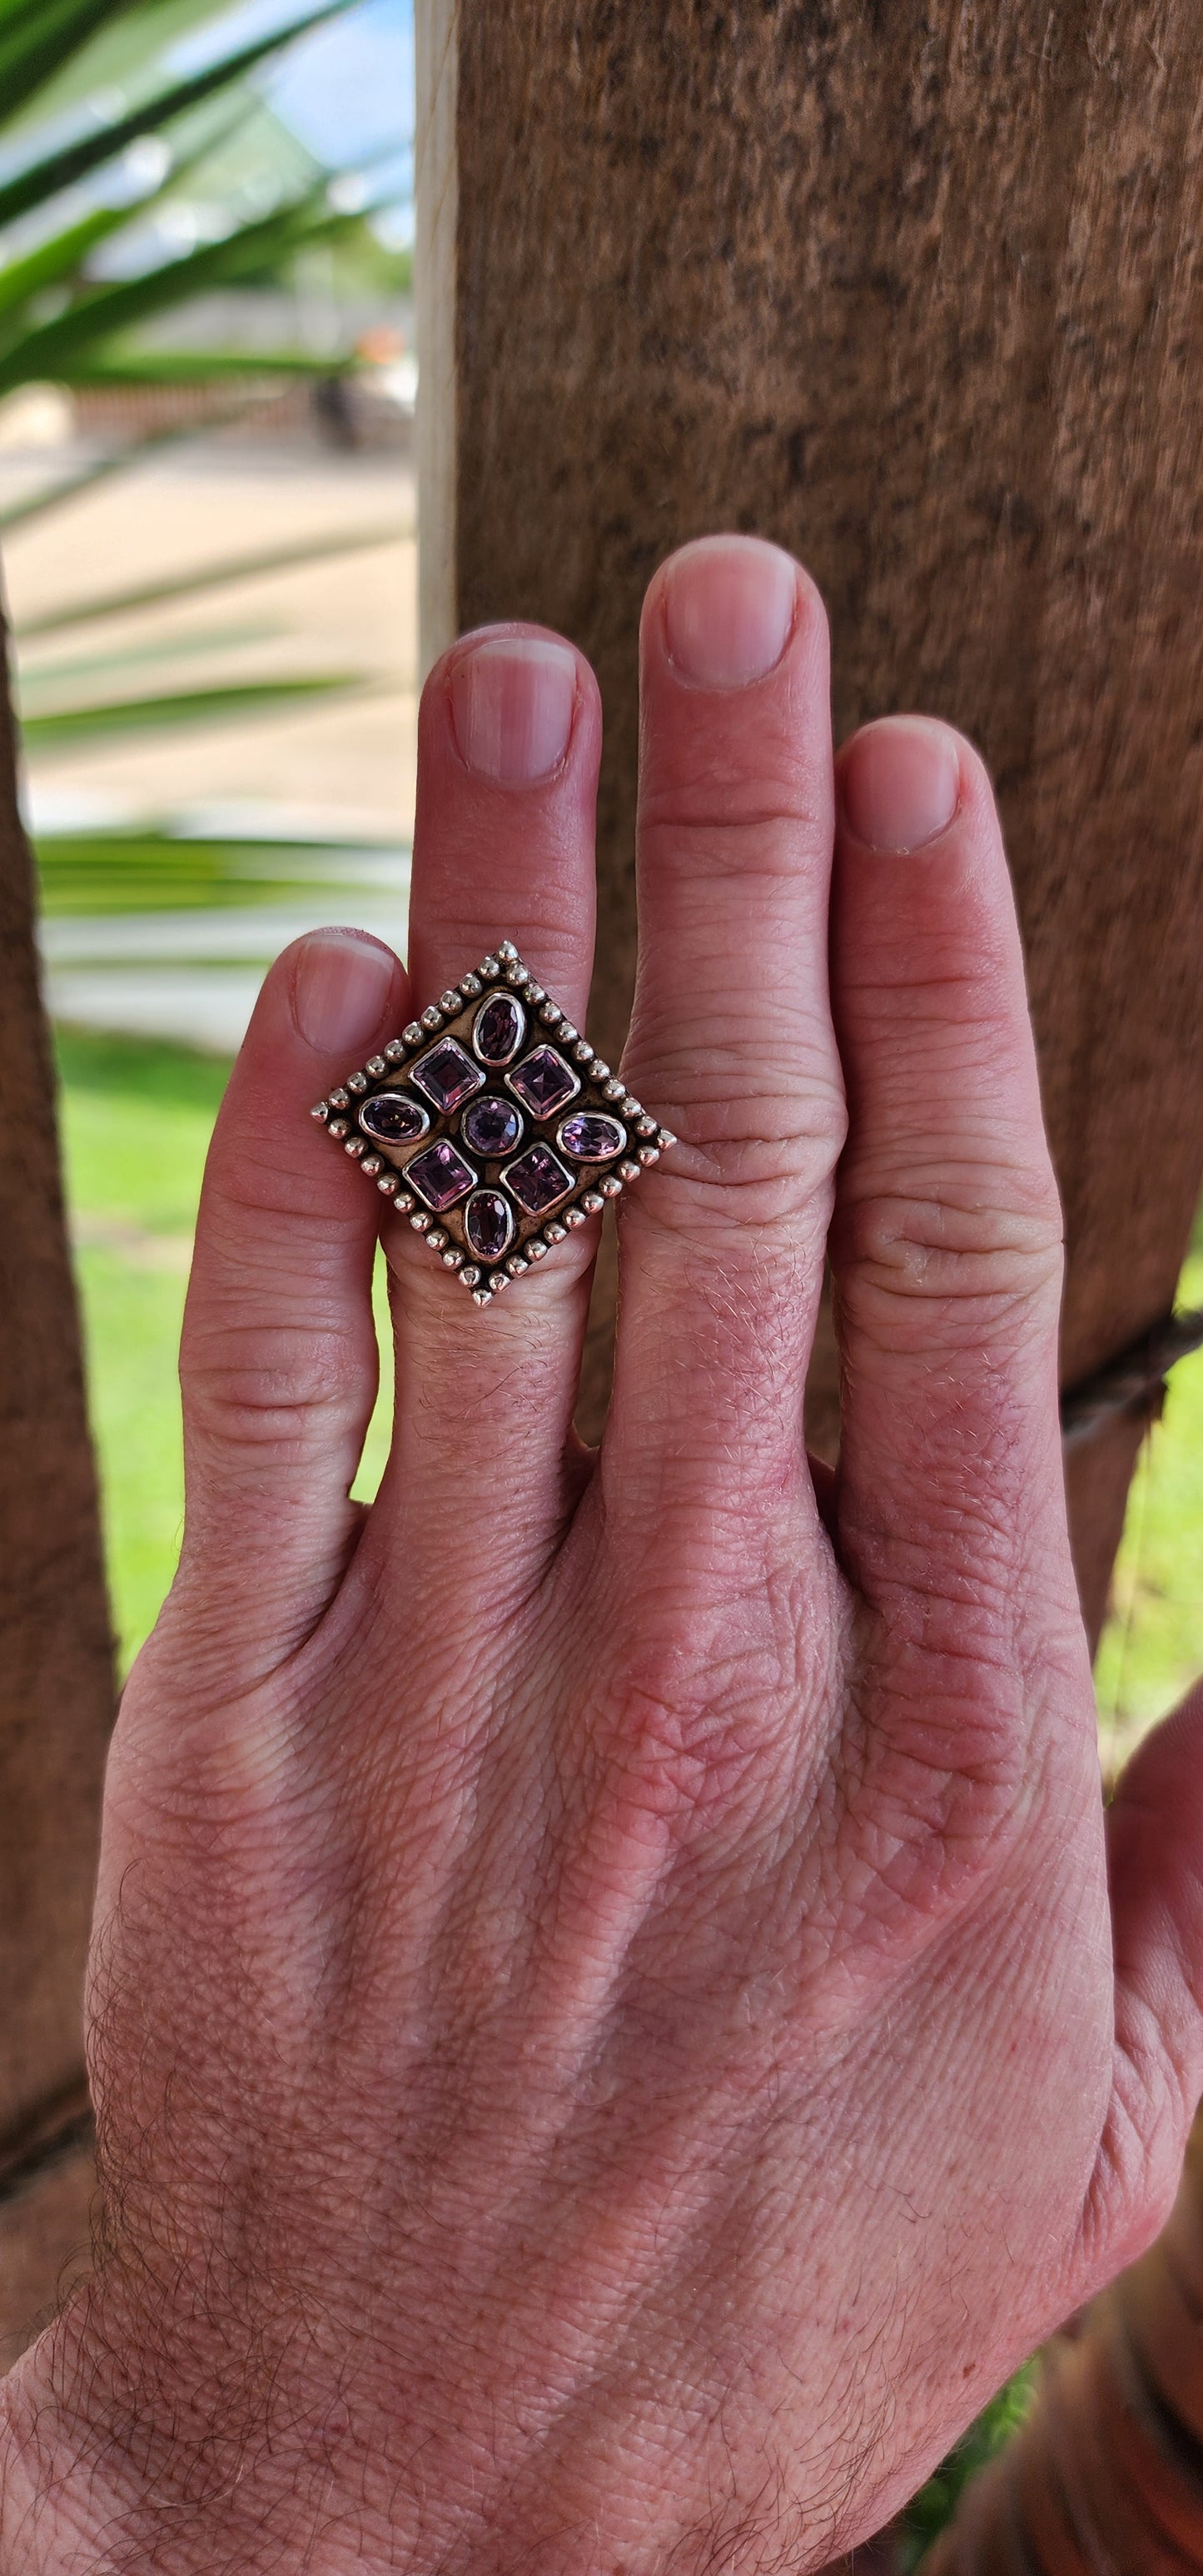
x,y
534,1239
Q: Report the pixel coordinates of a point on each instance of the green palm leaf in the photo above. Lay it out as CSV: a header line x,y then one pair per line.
x,y
42,680
183,707
154,871
211,576
75,161
110,364
101,469
256,249
59,261
36,41
55,260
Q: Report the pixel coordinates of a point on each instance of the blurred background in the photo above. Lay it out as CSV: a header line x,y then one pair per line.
x,y
207,514
207,518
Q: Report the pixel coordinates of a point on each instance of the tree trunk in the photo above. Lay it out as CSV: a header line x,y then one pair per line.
x,y
56,1682
915,292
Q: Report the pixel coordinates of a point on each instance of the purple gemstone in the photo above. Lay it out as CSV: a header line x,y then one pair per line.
x,y
543,1082
446,1074
590,1137
489,1224
393,1119
440,1175
491,1126
537,1179
499,1029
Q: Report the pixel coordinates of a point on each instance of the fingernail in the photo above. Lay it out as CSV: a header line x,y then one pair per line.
x,y
339,989
513,699
729,605
900,782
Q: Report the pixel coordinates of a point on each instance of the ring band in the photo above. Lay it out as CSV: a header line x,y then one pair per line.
x,y
493,1125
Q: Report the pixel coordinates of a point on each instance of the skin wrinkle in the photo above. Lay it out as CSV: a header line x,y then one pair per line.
x,y
604,2015
735,1119
770,1199
755,849
972,1287
1005,1208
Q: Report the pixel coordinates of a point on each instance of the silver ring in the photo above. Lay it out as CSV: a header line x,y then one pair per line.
x,y
493,1125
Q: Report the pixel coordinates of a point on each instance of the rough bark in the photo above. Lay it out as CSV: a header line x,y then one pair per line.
x,y
56,1675
914,291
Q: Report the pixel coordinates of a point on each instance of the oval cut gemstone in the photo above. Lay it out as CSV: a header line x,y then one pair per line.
x,y
590,1137
440,1175
537,1179
392,1118
489,1224
491,1126
543,1082
499,1029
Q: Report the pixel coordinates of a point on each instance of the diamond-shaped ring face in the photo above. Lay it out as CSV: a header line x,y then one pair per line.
x,y
492,1125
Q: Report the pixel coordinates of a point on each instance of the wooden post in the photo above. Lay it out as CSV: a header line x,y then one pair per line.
x,y
916,292
56,1675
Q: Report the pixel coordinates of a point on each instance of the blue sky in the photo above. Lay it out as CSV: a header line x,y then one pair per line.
x,y
347,91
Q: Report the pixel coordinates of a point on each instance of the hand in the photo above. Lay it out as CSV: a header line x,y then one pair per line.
x,y
608,2032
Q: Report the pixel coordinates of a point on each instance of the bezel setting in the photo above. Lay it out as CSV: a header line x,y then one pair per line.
x,y
553,1067
568,1075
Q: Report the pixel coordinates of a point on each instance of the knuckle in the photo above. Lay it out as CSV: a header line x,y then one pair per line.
x,y
935,1806
746,1151
280,1390
1138,2170
992,1236
272,1181
756,1174
729,820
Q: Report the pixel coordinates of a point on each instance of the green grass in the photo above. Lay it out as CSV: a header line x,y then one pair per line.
x,y
1152,1647
137,1116
136,1121
934,2506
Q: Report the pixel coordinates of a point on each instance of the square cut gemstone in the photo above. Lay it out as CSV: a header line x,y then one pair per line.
x,y
537,1179
543,1082
440,1175
446,1074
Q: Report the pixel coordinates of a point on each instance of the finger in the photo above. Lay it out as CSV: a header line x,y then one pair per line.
x,y
508,747
278,1362
731,1041
1155,1853
946,1245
